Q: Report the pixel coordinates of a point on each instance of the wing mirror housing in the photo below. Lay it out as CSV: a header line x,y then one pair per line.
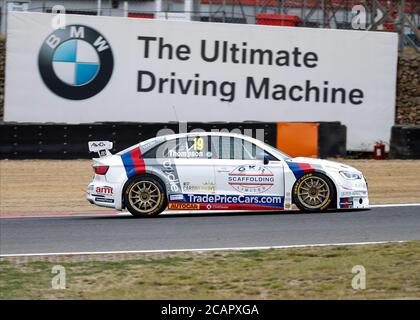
x,y
263,156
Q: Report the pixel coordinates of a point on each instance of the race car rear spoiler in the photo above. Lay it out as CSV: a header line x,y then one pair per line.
x,y
101,147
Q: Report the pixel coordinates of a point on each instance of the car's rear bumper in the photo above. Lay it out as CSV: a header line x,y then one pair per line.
x,y
102,195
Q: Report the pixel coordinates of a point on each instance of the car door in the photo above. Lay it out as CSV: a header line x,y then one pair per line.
x,y
243,181
193,162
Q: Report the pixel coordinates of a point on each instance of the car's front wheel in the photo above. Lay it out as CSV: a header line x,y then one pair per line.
x,y
313,192
145,197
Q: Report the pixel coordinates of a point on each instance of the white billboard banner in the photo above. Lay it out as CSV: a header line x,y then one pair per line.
x,y
120,69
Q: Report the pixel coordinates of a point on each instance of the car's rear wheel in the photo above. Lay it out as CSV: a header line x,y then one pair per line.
x,y
145,197
313,192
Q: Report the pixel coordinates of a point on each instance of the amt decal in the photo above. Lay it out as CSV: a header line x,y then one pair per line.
x,y
106,190
251,179
75,62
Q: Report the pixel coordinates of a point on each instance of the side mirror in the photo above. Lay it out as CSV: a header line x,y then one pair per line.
x,y
263,157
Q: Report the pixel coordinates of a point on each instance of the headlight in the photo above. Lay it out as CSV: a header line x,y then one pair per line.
x,y
350,175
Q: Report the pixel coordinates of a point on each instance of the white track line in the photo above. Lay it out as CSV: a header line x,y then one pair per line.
x,y
198,250
395,205
76,215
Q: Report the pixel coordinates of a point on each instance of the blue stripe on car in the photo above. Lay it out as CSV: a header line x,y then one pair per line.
x,y
128,164
300,169
297,171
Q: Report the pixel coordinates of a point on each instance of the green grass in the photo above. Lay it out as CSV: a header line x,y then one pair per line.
x,y
301,273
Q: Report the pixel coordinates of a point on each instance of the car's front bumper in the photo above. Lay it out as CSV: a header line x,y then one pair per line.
x,y
358,202
353,194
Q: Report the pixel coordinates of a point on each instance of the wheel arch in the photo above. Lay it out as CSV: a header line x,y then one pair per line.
x,y
333,204
145,174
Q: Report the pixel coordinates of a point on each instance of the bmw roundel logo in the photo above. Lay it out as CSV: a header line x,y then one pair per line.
x,y
75,62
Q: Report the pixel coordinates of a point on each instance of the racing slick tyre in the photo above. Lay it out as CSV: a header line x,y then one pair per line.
x,y
313,192
145,197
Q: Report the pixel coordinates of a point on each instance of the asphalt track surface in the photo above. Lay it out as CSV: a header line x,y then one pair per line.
x,y
203,231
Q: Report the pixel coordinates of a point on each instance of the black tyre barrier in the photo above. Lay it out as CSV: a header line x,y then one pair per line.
x,y
332,138
69,141
405,142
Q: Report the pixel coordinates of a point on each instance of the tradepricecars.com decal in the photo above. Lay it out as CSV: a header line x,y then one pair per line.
x,y
225,202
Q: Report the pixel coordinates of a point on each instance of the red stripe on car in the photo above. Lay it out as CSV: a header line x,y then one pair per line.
x,y
138,161
306,167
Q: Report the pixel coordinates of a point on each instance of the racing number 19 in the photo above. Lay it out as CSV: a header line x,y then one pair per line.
x,y
198,144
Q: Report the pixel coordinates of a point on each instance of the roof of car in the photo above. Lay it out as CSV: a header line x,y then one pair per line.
x,y
189,134
203,133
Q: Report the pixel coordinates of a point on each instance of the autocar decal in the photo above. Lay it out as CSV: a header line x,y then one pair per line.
x,y
299,169
133,163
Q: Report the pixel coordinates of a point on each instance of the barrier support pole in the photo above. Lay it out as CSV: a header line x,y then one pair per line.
x,y
125,8
99,7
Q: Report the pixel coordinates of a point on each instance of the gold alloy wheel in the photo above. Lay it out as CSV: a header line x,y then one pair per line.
x,y
145,196
313,192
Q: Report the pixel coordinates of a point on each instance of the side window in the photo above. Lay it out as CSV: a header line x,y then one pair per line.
x,y
234,148
207,147
153,153
194,147
176,148
250,150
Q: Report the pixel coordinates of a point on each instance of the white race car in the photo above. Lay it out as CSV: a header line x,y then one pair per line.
x,y
219,171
